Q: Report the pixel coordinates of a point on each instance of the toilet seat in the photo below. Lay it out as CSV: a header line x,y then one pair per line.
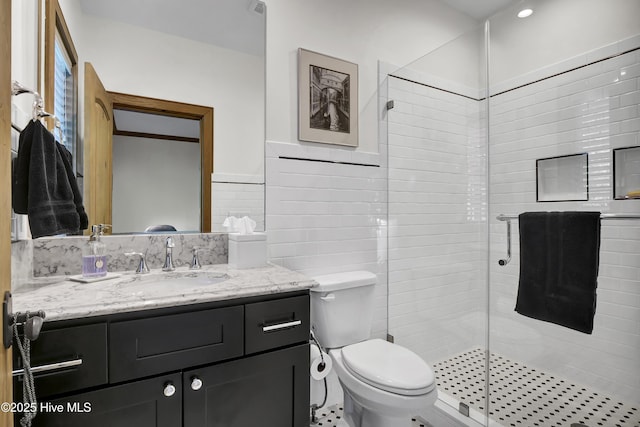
x,y
389,367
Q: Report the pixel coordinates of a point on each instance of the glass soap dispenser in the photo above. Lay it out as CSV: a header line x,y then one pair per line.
x,y
94,255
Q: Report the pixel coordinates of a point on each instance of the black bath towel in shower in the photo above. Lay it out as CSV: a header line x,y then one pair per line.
x,y
559,258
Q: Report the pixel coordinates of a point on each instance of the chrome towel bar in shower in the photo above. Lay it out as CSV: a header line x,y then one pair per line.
x,y
509,218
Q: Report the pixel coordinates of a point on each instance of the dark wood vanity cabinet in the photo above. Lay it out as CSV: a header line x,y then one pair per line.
x,y
270,389
141,403
233,364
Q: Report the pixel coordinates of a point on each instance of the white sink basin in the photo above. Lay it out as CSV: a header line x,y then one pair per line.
x,y
175,280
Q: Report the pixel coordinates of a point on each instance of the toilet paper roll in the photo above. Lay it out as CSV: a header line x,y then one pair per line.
x,y
321,366
314,351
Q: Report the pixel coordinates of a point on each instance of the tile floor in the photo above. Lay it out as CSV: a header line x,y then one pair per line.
x,y
332,417
520,396
523,396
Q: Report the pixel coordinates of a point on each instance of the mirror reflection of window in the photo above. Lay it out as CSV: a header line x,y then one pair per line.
x,y
61,86
64,99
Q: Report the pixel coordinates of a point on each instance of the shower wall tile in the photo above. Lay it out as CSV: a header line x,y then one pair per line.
x,y
593,110
437,214
326,216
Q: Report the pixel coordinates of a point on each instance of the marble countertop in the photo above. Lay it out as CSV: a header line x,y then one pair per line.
x,y
63,299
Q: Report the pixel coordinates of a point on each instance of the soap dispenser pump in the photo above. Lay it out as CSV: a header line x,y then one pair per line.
x,y
94,256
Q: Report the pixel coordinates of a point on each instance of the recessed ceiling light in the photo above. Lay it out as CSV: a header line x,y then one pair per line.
x,y
525,12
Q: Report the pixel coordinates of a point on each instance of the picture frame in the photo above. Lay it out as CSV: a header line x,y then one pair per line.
x,y
327,99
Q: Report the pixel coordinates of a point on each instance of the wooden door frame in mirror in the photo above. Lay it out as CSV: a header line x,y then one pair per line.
x,y
163,107
6,381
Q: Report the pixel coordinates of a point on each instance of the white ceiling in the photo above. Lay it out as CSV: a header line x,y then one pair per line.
x,y
232,24
479,9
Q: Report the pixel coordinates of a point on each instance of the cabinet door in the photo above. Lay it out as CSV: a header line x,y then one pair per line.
x,y
268,390
138,404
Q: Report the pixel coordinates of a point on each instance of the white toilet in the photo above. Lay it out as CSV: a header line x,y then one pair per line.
x,y
384,384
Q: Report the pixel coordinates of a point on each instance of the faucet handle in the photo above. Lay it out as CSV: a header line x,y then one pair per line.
x,y
142,265
168,258
195,261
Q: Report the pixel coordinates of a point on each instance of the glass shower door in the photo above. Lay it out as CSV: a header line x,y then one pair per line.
x,y
437,217
564,124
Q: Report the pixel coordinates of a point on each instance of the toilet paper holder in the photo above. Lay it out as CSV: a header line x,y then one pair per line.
x,y
312,337
320,367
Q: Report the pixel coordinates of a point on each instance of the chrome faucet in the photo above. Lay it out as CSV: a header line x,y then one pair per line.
x,y
168,260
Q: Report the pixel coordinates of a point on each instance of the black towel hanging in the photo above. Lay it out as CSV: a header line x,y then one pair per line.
x,y
41,184
559,259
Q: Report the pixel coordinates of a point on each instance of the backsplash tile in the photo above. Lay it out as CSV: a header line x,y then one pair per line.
x,y
63,255
21,262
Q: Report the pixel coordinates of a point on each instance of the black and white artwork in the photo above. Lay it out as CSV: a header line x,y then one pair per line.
x,y
328,99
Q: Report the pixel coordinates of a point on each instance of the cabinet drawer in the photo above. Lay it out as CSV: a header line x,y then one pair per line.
x,y
66,359
277,323
149,346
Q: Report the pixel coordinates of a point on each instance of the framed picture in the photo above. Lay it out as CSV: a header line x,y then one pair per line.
x,y
327,99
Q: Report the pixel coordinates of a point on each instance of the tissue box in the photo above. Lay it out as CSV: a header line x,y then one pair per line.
x,y
247,250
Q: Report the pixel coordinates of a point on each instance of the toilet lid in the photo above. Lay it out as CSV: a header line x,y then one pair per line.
x,y
389,367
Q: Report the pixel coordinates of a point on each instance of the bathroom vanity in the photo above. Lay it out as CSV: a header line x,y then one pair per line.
x,y
234,353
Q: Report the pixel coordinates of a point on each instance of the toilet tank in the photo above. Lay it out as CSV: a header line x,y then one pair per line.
x,y
342,308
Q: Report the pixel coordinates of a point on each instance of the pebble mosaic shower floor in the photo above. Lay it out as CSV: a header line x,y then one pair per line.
x,y
523,396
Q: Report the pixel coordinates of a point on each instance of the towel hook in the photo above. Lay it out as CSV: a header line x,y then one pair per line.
x,y
38,111
506,260
38,102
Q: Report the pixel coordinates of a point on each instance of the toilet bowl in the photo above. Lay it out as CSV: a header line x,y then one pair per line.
x,y
384,384
379,399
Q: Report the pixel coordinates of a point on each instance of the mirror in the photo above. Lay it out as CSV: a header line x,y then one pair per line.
x,y
206,53
166,144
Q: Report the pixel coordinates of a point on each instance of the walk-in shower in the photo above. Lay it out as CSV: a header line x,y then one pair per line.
x,y
521,115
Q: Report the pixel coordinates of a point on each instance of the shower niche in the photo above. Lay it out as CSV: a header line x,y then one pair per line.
x,y
626,173
563,178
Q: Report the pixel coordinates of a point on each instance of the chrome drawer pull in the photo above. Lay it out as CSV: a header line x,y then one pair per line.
x,y
281,326
50,367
